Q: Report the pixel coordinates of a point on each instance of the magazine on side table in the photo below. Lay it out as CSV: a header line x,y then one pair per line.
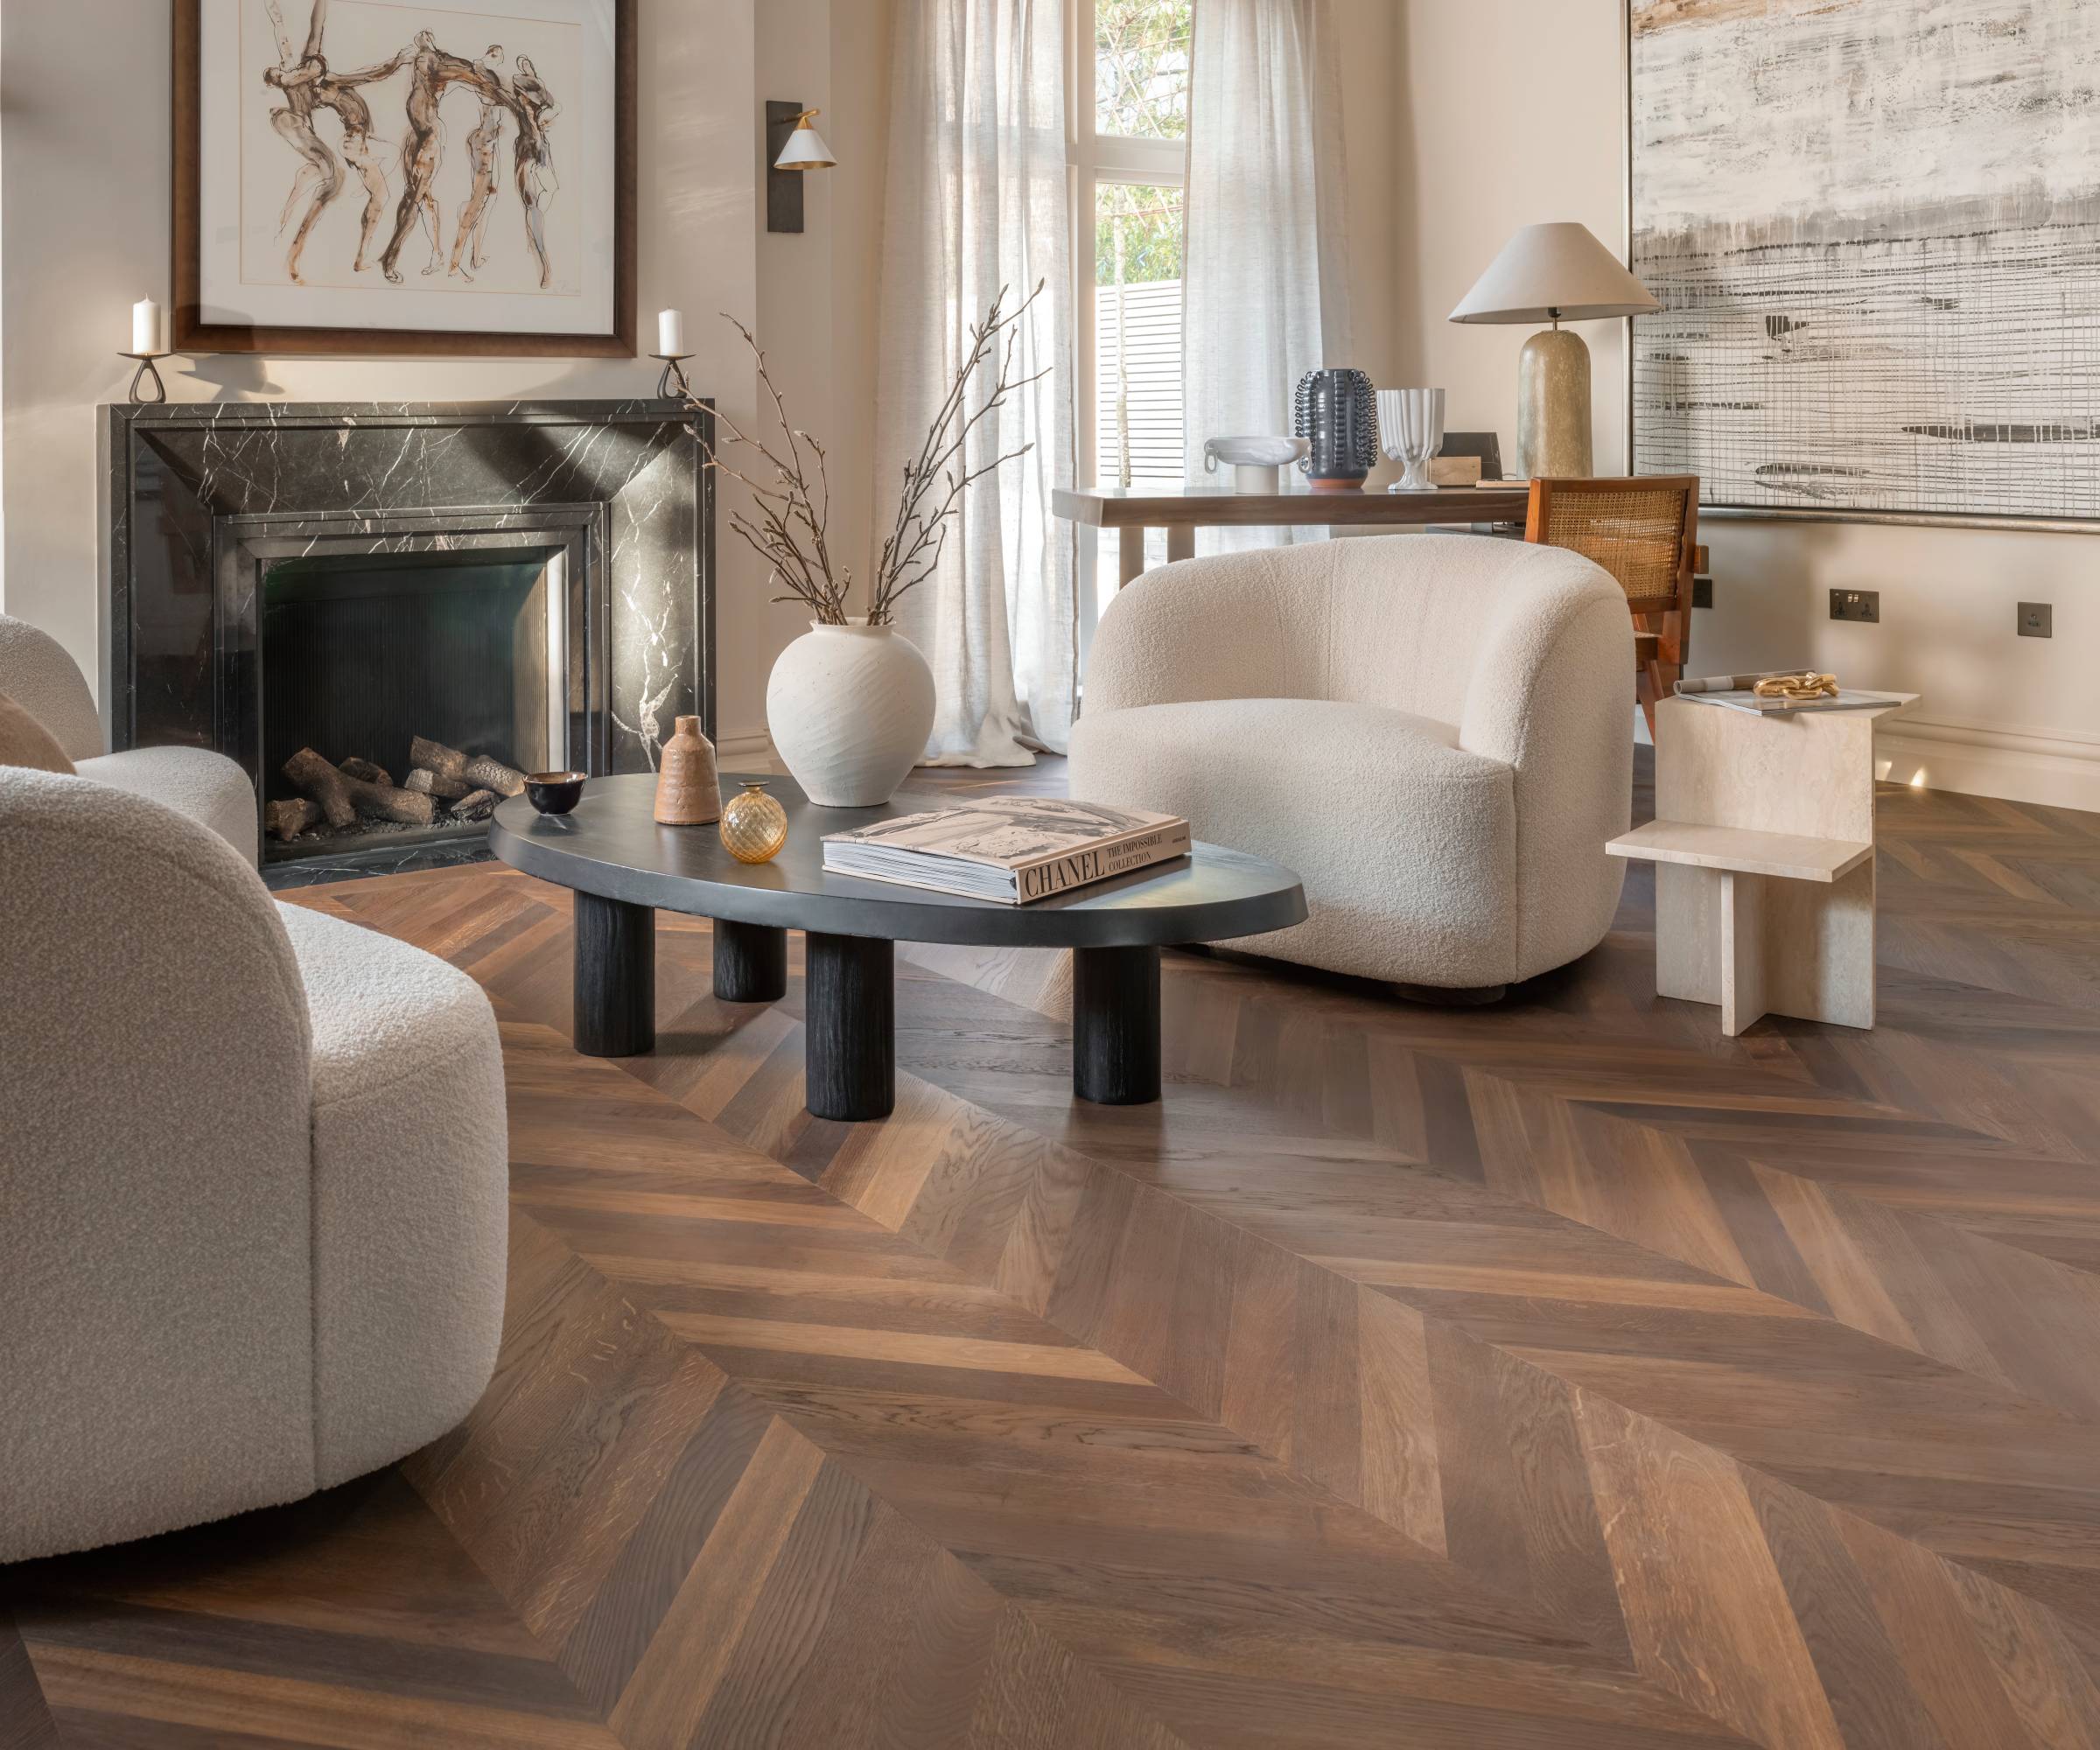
x,y
1739,692
1008,848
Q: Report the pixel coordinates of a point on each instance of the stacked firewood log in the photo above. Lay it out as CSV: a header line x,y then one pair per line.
x,y
443,785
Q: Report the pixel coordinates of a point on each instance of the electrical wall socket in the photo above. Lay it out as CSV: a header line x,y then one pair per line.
x,y
2036,620
1860,604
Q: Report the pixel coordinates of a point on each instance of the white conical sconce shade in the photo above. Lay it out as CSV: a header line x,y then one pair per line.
x,y
805,149
1548,273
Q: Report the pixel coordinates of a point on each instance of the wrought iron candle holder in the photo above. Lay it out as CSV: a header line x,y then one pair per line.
x,y
145,373
672,385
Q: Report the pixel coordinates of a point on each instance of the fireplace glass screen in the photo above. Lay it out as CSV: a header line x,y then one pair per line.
x,y
405,660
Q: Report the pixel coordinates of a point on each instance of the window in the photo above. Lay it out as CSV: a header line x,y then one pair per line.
x,y
1129,110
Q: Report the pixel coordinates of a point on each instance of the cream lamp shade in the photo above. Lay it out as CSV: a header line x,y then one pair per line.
x,y
805,149
1553,273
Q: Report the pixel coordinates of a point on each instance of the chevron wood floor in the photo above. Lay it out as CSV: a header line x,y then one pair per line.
x,y
1555,1374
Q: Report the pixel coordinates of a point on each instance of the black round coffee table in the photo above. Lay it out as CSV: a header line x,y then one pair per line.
x,y
624,868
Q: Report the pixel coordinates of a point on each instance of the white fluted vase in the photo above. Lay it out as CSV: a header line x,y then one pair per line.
x,y
849,707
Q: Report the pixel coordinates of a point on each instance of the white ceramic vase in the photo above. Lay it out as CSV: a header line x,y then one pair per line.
x,y
849,707
1410,427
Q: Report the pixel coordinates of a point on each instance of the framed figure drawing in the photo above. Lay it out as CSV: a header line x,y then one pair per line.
x,y
1874,229
405,177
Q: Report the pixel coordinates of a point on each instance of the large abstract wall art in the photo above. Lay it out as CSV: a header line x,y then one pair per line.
x,y
1874,229
387,169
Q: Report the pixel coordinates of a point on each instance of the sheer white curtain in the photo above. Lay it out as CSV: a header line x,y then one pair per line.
x,y
1265,273
977,200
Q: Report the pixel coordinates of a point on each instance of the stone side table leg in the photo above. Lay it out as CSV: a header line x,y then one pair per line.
x,y
1116,1025
751,962
615,1013
850,1032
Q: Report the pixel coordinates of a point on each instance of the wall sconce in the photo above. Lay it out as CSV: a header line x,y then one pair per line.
x,y
792,146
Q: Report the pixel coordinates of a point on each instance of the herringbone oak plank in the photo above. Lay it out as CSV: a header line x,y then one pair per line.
x,y
1556,1374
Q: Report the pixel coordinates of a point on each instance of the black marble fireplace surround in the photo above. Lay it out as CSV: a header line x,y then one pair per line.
x,y
205,499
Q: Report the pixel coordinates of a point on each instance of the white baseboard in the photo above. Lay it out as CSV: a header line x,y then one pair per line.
x,y
752,748
2020,765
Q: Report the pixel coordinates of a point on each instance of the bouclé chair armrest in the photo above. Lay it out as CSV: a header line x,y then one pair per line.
x,y
1546,662
1552,695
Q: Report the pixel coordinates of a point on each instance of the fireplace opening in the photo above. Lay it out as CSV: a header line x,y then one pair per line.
x,y
408,692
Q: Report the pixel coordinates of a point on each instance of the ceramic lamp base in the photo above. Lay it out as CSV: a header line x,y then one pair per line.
x,y
1553,407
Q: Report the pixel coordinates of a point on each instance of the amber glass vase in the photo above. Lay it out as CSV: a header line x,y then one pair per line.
x,y
754,825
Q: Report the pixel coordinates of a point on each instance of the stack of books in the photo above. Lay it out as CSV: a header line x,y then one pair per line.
x,y
1008,848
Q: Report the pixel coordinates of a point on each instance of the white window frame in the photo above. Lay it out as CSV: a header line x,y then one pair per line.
x,y
1095,158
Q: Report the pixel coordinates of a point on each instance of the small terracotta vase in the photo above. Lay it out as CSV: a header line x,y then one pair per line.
x,y
687,791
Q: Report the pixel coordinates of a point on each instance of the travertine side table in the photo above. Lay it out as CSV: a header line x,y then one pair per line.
x,y
1764,845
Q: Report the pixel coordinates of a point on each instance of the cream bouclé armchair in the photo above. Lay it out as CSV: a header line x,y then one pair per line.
x,y
253,1175
1432,729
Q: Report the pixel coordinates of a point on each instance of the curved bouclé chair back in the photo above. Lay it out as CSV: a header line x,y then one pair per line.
x,y
37,675
156,1331
1393,621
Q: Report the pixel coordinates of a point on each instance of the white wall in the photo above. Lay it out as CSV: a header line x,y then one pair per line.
x,y
1373,201
84,230
1512,110
817,289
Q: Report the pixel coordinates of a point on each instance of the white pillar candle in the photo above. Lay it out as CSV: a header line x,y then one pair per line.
x,y
145,327
670,333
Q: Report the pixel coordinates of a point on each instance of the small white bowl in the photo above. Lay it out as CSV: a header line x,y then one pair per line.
x,y
1253,460
1252,452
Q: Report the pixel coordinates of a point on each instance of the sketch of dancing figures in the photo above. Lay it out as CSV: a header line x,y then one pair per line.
x,y
472,223
308,85
423,149
534,160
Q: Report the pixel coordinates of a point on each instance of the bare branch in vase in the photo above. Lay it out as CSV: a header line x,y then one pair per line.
x,y
790,532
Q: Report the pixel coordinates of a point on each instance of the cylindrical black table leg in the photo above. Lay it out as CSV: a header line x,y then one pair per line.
x,y
850,1054
751,962
615,977
1116,1025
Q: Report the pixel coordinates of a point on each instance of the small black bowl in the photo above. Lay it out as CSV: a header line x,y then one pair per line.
x,y
555,793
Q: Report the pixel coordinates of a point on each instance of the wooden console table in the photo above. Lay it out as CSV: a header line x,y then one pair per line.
x,y
1181,513
1764,845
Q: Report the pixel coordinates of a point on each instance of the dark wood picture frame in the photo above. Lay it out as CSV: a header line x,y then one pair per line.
x,y
192,334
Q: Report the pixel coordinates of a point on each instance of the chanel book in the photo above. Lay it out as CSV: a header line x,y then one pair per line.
x,y
1008,848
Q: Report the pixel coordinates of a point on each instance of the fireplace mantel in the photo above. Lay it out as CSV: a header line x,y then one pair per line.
x,y
199,497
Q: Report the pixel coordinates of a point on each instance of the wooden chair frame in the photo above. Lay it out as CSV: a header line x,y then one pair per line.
x,y
1662,623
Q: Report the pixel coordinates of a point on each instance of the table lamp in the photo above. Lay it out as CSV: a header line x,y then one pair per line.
x,y
1553,273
